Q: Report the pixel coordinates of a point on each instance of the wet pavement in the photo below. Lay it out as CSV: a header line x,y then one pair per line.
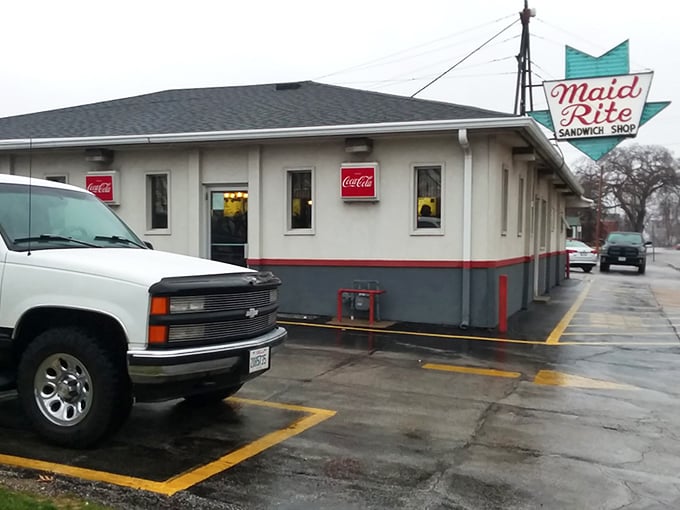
x,y
575,407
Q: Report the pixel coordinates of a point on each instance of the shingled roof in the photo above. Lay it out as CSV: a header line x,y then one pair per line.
x,y
272,106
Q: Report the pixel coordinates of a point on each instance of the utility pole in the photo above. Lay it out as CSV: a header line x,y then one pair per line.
x,y
524,65
599,210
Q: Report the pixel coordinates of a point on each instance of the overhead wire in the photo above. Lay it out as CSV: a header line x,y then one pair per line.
x,y
375,61
465,58
424,77
591,43
428,66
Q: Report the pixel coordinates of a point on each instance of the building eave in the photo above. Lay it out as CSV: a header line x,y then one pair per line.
x,y
526,124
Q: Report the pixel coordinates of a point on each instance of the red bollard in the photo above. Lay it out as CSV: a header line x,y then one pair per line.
x,y
503,303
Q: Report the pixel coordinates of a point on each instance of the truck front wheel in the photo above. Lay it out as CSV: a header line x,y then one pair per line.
x,y
72,389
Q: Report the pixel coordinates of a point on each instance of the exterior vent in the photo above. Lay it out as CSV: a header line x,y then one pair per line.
x,y
288,86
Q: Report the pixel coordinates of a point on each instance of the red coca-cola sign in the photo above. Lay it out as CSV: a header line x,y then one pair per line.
x,y
102,185
359,181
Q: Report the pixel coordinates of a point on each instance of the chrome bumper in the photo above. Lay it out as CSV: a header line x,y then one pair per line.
x,y
159,366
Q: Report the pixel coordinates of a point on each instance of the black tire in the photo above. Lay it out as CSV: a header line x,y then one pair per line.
x,y
587,269
642,268
73,390
211,397
604,268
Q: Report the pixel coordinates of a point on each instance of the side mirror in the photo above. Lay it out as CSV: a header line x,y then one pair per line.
x,y
648,243
148,245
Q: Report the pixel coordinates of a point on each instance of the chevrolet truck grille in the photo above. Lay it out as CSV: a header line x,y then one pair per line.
x,y
211,332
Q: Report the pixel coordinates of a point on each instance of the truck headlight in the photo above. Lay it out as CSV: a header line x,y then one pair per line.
x,y
187,304
273,295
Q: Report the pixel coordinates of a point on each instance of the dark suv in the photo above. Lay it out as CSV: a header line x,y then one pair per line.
x,y
624,249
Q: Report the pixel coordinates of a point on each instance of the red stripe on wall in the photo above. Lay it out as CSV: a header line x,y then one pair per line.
x,y
475,264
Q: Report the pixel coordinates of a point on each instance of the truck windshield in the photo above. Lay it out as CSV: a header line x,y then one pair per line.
x,y
59,218
624,238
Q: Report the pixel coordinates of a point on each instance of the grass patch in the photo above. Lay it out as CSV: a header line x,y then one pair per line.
x,y
15,500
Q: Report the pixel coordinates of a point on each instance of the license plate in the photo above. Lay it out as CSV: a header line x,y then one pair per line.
x,y
622,259
259,359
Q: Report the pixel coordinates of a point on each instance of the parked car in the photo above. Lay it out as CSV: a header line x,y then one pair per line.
x,y
581,255
624,249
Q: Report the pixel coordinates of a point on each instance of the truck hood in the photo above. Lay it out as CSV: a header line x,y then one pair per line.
x,y
143,267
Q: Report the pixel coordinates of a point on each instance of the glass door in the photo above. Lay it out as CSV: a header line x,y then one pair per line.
x,y
229,226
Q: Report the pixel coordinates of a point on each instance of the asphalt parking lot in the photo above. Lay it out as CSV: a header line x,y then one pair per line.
x,y
575,407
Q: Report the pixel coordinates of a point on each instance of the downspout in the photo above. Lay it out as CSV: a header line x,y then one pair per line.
x,y
467,227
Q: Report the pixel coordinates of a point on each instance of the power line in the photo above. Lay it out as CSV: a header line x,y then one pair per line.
x,y
427,66
596,45
400,52
420,78
464,58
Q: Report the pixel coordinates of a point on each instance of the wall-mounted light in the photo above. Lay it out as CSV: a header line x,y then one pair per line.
x,y
523,154
363,145
103,156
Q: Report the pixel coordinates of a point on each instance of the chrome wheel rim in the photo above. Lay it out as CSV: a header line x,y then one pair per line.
x,y
63,389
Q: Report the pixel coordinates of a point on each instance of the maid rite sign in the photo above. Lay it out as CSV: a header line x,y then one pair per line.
x,y
599,104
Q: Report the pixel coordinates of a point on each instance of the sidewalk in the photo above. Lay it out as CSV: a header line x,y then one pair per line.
x,y
531,326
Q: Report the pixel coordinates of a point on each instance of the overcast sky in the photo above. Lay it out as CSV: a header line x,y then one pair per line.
x,y
68,53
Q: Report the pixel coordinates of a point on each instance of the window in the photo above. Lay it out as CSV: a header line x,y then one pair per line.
x,y
553,219
300,210
428,187
520,208
57,178
544,222
504,202
157,201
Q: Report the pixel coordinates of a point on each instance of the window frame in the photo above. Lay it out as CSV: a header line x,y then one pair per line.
x,y
415,231
149,204
288,202
543,239
505,199
520,206
57,178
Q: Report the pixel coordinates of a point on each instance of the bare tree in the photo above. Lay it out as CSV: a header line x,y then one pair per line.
x,y
632,177
668,216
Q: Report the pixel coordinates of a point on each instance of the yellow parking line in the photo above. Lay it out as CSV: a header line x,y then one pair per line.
x,y
621,344
641,327
475,338
471,370
83,473
543,377
413,333
197,475
194,475
638,332
553,378
555,334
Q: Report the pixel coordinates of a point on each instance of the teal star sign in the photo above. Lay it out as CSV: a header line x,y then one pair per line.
x,y
599,103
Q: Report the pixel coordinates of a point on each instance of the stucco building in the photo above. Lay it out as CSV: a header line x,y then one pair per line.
x,y
324,185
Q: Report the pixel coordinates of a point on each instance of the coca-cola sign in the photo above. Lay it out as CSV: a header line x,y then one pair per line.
x,y
102,185
595,107
359,181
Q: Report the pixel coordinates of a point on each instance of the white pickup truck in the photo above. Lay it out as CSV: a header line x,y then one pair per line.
x,y
93,319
